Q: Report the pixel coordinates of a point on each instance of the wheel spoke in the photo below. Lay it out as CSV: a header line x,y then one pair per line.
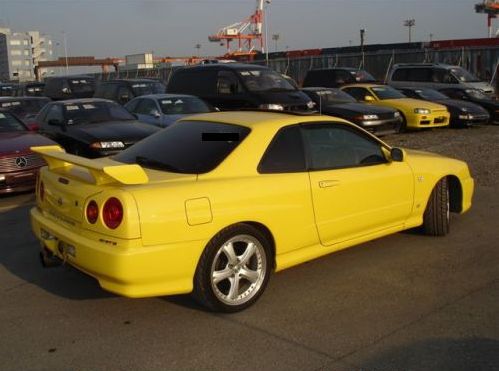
x,y
218,276
229,252
250,275
234,287
248,253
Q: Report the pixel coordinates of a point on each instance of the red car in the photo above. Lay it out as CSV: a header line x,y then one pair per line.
x,y
18,165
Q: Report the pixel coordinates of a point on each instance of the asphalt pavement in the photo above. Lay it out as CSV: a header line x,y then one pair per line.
x,y
403,302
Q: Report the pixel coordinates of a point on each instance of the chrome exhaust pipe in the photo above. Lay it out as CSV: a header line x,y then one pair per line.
x,y
48,259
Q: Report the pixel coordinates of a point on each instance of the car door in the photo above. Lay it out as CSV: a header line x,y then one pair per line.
x,y
356,191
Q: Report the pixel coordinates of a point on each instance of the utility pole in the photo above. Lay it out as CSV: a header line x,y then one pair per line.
x,y
275,37
409,23
362,37
66,52
198,46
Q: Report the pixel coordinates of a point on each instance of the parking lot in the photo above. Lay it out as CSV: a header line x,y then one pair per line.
x,y
403,302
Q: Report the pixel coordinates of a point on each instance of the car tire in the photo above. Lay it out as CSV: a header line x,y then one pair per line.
x,y
436,218
233,270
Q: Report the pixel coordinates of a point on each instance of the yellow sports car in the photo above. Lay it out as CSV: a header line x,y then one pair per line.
x,y
417,114
214,203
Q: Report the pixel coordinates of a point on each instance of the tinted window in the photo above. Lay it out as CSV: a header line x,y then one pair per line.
x,y
132,105
443,76
400,74
285,153
82,85
92,112
264,80
107,91
227,83
146,107
358,93
336,146
316,78
10,123
387,92
191,147
194,82
420,74
453,93
430,94
147,87
55,113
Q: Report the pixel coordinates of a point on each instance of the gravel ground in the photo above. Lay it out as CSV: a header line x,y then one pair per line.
x,y
478,146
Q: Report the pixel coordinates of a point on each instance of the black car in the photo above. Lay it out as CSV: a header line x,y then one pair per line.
x,y
30,89
25,108
334,102
7,89
235,86
462,113
477,97
91,127
336,77
122,91
69,87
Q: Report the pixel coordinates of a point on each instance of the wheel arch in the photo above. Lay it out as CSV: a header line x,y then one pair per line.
x,y
455,194
267,233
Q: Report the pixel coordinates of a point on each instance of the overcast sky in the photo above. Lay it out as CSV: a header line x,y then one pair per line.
x,y
114,28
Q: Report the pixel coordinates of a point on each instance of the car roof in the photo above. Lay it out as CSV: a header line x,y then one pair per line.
x,y
224,66
7,99
83,101
165,96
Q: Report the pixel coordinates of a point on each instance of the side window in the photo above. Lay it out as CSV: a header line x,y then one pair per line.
x,y
227,83
335,146
400,74
343,77
201,83
444,76
419,74
54,113
132,105
358,93
285,153
146,107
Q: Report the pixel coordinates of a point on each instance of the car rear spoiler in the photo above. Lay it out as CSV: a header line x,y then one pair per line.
x,y
103,173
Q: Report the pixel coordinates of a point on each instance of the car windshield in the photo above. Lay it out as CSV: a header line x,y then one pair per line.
x,y
334,96
93,112
477,94
387,92
82,85
259,80
147,87
462,75
182,105
190,147
9,123
24,106
362,76
6,90
430,94
35,90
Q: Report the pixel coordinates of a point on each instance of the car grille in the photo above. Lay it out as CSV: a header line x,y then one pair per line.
x,y
19,162
386,116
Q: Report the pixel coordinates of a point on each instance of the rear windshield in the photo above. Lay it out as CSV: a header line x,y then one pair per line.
x,y
93,112
190,147
81,85
333,96
35,90
264,80
9,123
387,92
182,106
362,76
25,105
145,88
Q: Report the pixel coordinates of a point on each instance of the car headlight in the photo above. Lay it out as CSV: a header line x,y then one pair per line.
x,y
107,145
370,117
2,178
422,111
466,116
396,114
272,107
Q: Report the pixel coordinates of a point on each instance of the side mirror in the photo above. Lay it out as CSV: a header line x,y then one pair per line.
x,y
66,90
155,113
397,154
55,122
369,98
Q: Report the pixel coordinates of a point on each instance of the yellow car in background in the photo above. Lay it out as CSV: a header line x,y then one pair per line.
x,y
417,114
215,202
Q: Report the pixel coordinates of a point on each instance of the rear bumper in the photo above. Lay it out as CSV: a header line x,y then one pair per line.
x,y
127,268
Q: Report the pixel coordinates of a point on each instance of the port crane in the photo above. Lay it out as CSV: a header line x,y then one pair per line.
x,y
491,8
245,33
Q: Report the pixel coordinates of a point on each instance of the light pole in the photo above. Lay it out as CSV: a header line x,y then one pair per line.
x,y
362,38
198,46
275,37
409,23
265,14
65,52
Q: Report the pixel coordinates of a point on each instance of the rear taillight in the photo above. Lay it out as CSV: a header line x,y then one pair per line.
x,y
112,213
92,212
41,191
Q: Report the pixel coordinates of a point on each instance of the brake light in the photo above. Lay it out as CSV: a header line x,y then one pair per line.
x,y
92,212
41,191
112,213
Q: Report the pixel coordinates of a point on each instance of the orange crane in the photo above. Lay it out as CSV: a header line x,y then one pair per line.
x,y
491,8
244,32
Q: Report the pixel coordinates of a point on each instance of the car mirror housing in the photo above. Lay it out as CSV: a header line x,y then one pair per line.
x,y
397,154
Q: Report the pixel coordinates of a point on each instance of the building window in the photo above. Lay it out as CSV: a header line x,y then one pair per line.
x,y
15,42
25,42
27,63
26,52
15,52
17,63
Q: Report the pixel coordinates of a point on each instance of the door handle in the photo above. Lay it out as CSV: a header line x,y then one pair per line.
x,y
328,183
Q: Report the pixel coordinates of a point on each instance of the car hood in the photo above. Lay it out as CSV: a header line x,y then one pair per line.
x,y
286,98
14,142
410,103
357,108
459,105
127,131
481,85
